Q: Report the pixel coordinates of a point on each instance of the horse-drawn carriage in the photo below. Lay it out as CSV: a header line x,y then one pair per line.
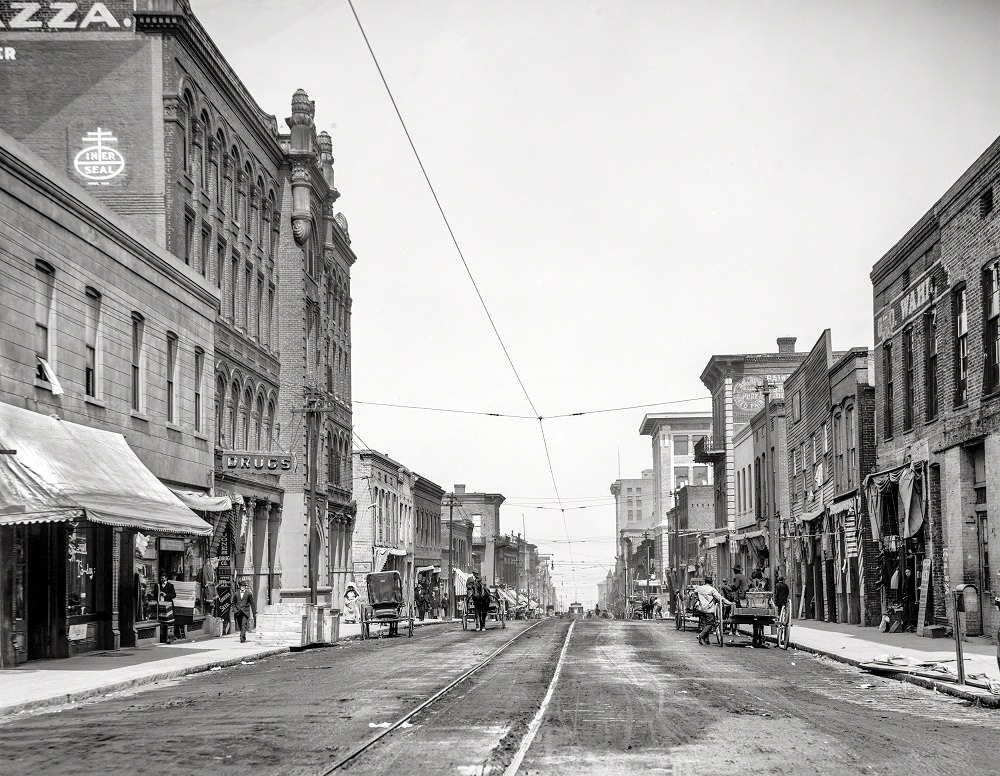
x,y
386,605
496,608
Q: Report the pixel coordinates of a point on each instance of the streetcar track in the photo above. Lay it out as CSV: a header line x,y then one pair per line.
x,y
398,724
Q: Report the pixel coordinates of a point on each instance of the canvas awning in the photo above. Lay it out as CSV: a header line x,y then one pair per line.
x,y
903,489
202,501
433,569
511,598
65,471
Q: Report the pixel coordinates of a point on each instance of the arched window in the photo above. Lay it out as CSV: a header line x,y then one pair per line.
x,y
270,425
187,134
220,152
245,417
234,152
220,398
232,403
203,153
331,461
258,234
258,422
245,197
270,222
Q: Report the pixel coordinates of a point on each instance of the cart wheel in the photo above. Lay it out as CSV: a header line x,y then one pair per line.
x,y
503,620
784,628
719,632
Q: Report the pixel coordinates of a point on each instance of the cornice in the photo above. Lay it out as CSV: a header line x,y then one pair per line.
x,y
178,20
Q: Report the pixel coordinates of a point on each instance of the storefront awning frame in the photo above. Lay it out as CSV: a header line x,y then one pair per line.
x,y
65,471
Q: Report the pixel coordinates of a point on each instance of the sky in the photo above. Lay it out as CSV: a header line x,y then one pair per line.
x,y
634,186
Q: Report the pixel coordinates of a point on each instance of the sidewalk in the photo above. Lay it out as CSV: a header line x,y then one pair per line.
x,y
853,644
42,683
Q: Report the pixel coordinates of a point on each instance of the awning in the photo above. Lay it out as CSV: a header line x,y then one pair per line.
x,y
433,569
909,506
391,551
808,517
511,598
845,505
62,471
203,502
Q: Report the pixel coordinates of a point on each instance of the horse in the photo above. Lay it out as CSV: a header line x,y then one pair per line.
x,y
481,596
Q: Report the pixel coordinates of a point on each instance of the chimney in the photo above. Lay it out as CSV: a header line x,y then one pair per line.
x,y
459,490
786,344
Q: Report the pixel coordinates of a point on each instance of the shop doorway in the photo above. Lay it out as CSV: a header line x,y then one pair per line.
x,y
171,560
43,605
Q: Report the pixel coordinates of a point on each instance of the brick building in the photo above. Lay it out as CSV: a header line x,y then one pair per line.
x,y
694,518
383,534
734,382
937,365
832,566
135,102
483,509
112,336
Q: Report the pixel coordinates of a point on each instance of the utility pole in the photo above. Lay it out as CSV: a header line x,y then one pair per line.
x,y
313,412
527,563
772,528
452,604
312,419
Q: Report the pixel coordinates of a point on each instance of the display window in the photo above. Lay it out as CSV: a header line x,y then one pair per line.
x,y
81,567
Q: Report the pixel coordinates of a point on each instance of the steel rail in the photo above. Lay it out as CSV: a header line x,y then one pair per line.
x,y
435,697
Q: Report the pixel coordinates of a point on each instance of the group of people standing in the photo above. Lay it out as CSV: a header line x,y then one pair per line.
x,y
160,597
733,594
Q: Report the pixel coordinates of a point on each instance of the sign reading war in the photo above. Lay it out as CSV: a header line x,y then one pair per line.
x,y
111,15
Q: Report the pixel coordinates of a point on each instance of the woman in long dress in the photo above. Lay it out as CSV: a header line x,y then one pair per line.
x,y
351,604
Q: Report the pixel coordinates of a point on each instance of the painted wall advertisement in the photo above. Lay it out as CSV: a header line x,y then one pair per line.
x,y
96,154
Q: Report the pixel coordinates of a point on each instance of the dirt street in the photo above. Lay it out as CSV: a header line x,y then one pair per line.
x,y
631,696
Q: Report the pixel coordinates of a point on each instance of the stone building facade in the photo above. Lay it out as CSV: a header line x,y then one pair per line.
x,y
483,509
139,106
734,382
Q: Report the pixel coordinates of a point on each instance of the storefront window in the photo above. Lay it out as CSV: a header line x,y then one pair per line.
x,y
81,579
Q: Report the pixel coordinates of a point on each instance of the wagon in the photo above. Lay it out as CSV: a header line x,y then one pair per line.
x,y
386,605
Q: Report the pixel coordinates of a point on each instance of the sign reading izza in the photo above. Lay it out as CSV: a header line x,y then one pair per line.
x,y
64,16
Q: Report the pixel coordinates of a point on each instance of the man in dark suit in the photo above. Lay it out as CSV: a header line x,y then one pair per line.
x,y
244,607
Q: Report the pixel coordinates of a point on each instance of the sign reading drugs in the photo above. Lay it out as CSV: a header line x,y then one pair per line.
x,y
236,461
111,15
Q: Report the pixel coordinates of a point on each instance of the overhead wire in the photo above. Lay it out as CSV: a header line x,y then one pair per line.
x,y
488,413
461,254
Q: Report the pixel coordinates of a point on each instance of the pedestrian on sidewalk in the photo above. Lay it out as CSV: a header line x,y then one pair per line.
x,y
244,607
165,609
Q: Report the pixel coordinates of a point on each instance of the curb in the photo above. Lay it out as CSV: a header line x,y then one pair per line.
x,y
357,636
93,692
975,696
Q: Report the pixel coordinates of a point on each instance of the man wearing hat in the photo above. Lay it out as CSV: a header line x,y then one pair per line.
x,y
739,585
244,606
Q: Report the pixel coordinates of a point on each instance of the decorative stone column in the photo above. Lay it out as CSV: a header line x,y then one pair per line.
x,y
273,532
